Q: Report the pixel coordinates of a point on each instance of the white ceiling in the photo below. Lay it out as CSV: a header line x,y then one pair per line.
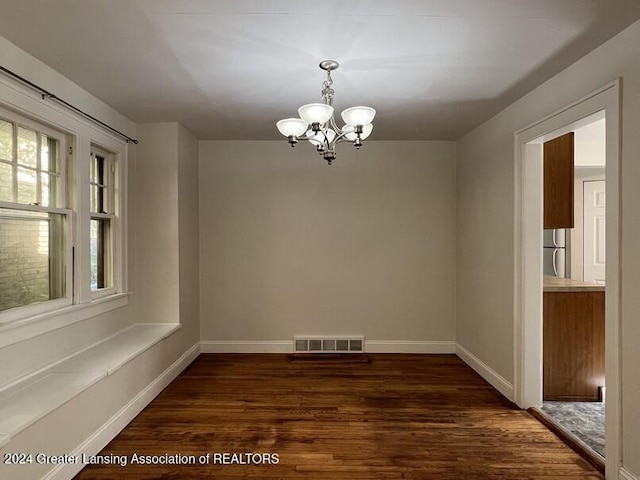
x,y
433,69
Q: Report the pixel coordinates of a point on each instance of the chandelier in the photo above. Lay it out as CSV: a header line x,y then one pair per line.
x,y
317,125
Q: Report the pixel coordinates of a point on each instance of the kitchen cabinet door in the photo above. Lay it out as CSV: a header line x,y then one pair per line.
x,y
558,182
573,346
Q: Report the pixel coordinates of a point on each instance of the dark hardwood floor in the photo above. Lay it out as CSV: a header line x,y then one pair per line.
x,y
390,417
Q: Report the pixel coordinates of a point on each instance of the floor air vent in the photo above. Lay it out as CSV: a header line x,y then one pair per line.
x,y
328,344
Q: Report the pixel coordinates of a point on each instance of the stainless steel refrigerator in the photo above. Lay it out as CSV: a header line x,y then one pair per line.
x,y
555,253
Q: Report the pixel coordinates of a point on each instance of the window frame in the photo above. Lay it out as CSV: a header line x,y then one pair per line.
x,y
38,308
112,214
77,136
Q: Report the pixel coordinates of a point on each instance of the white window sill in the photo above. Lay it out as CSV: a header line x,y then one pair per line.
x,y
102,293
32,326
29,399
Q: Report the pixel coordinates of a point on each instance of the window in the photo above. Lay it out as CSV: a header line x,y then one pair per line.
x,y
102,186
35,264
63,246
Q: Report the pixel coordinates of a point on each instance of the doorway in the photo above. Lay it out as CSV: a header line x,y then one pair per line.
x,y
528,313
574,289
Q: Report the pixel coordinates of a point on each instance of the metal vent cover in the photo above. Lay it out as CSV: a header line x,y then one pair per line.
x,y
329,344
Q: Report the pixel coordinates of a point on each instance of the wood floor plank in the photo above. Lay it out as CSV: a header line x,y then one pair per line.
x,y
389,417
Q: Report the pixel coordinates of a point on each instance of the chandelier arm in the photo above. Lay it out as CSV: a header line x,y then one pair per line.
x,y
326,144
342,137
322,131
333,125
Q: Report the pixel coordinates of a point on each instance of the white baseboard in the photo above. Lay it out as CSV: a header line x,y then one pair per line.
x,y
98,440
625,474
408,346
246,346
486,372
286,346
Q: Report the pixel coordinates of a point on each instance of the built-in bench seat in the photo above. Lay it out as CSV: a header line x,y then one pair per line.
x,y
29,399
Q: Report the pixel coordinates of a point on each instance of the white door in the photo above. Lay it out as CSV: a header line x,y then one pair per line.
x,y
594,231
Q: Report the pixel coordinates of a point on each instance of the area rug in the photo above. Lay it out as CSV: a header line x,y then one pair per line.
x,y
585,420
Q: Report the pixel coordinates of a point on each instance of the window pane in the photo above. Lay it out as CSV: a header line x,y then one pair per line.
x,y
32,259
27,190
6,182
49,154
49,186
98,199
44,153
93,201
93,235
52,147
100,253
6,140
27,147
99,170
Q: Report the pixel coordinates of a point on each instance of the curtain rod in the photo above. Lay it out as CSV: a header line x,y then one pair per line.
x,y
46,94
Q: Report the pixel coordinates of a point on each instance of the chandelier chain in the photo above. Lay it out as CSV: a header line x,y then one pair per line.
x,y
327,90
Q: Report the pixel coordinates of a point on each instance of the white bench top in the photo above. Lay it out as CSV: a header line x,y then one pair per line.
x,y
27,401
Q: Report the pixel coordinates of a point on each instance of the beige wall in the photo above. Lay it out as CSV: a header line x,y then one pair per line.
x,y
156,223
485,219
188,222
290,245
166,254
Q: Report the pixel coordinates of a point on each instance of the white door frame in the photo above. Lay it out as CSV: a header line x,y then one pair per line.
x,y
528,253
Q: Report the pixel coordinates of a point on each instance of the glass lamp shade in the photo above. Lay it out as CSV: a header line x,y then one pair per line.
x,y
317,138
358,115
315,113
292,127
350,135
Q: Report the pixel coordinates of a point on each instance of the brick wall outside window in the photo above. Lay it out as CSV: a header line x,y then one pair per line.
x,y
24,262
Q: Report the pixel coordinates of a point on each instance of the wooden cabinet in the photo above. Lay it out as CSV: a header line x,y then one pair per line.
x,y
558,182
573,345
